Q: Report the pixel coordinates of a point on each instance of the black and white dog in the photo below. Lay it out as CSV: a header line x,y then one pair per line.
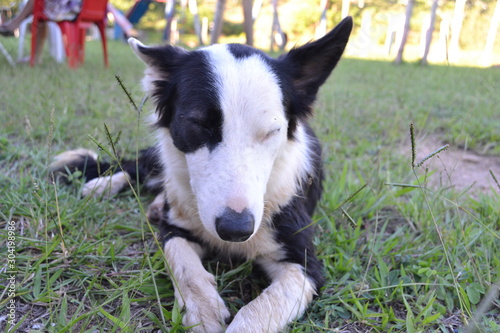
x,y
239,170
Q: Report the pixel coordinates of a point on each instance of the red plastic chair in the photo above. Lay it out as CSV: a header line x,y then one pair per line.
x,y
92,12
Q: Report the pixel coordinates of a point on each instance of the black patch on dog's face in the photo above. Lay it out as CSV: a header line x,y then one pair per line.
x,y
197,119
187,96
240,51
187,99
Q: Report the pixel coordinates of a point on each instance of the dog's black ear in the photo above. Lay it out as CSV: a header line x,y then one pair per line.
x,y
138,49
312,63
164,58
159,80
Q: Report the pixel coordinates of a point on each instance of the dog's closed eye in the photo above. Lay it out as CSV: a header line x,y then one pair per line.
x,y
200,123
271,134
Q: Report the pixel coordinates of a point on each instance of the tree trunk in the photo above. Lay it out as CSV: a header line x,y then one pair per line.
x,y
277,35
430,31
169,16
492,33
256,9
248,21
345,8
456,28
406,31
193,9
321,29
204,29
218,19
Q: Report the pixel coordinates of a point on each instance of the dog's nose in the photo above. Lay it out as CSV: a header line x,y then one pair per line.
x,y
232,226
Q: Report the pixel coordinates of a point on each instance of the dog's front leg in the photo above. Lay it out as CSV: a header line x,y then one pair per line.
x,y
285,299
195,288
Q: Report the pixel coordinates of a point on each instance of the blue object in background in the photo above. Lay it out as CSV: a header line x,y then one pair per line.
x,y
134,15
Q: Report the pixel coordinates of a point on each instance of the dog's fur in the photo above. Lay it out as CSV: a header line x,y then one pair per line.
x,y
239,172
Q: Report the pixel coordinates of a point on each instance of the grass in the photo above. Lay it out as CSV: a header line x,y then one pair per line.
x,y
398,256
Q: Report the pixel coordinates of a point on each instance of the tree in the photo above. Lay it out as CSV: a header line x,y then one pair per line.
x,y
256,9
277,35
406,31
345,8
248,21
169,16
218,19
430,31
321,29
492,33
193,9
456,28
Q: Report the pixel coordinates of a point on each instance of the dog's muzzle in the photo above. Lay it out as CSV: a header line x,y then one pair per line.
x,y
232,226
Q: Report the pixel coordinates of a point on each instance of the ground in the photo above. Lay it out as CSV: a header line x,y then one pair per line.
x,y
397,259
458,167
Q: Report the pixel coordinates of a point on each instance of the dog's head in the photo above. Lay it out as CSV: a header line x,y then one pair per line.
x,y
232,110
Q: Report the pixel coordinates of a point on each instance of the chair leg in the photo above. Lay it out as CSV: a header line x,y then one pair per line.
x,y
102,31
38,37
64,30
73,46
34,33
82,33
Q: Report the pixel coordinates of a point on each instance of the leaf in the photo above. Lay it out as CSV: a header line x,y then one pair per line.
x,y
37,282
113,319
125,313
478,287
63,312
410,327
384,271
431,318
450,303
342,312
176,313
465,299
474,292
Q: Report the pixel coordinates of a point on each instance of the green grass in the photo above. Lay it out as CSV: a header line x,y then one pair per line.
x,y
397,258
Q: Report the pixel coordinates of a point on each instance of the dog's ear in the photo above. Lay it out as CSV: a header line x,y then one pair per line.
x,y
163,57
159,78
312,63
137,47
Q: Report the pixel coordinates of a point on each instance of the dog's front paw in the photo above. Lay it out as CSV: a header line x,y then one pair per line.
x,y
247,321
207,314
205,309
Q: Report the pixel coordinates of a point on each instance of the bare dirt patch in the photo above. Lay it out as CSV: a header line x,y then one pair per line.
x,y
457,168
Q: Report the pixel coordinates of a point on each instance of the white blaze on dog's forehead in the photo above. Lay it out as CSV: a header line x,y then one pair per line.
x,y
234,174
249,90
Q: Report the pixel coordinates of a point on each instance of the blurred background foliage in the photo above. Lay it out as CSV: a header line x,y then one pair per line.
x,y
300,18
300,21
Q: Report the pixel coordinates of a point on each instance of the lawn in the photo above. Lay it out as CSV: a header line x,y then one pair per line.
x,y
400,255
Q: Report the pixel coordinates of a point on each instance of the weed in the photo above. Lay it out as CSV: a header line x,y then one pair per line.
x,y
399,256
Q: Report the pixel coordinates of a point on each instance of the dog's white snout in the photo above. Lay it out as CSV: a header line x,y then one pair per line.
x,y
238,204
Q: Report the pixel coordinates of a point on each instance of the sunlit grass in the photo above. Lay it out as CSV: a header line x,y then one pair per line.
x,y
398,256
